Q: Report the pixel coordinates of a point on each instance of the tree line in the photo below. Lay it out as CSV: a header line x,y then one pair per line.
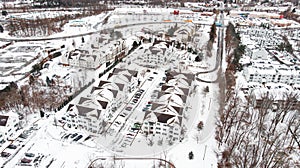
x,y
259,137
252,131
23,27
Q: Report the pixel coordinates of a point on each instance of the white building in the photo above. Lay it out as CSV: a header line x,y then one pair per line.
x,y
267,72
98,56
104,99
164,119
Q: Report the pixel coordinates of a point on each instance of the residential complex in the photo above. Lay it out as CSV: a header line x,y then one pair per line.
x,y
164,119
103,100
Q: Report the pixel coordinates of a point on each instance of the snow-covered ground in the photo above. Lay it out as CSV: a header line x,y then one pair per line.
x,y
54,150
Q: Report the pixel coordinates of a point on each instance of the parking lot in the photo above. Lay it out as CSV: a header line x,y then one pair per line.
x,y
17,146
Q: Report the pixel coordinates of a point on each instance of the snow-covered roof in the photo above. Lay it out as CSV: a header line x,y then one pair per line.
x,y
175,89
119,78
103,94
111,85
168,119
171,99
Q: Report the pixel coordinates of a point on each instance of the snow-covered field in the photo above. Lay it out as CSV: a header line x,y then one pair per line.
x,y
49,144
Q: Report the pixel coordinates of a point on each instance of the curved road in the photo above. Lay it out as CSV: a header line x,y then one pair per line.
x,y
128,158
219,55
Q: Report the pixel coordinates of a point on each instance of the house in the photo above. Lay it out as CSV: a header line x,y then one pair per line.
x,y
9,125
154,56
81,58
164,125
266,73
83,117
104,99
99,55
126,77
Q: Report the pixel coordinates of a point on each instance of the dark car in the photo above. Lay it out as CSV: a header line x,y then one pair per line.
x,y
135,100
25,160
5,154
23,135
11,146
141,90
128,108
77,138
87,138
74,135
67,136
29,154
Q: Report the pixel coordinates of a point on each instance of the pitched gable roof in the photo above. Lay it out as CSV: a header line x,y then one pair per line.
x,y
103,104
82,100
101,83
82,111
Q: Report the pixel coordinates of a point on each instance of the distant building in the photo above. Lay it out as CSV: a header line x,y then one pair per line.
x,y
82,58
273,100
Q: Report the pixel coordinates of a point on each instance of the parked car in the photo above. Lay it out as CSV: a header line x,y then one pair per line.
x,y
87,138
23,135
141,90
77,138
67,136
29,154
11,146
128,108
74,135
5,154
129,134
25,160
145,109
